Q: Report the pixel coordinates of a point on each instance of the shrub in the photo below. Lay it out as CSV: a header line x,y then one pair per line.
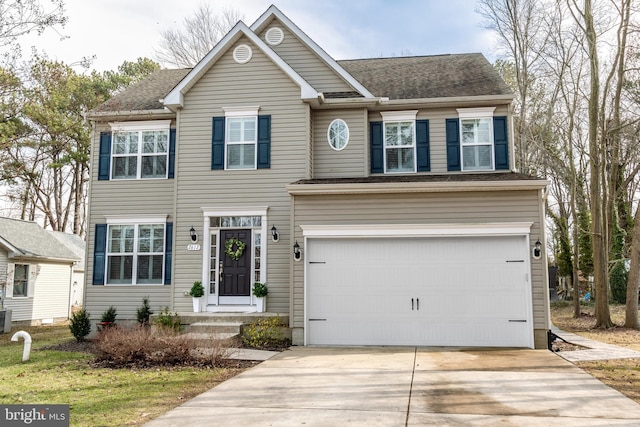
x,y
140,347
168,320
260,289
265,333
144,312
197,290
80,324
109,315
618,279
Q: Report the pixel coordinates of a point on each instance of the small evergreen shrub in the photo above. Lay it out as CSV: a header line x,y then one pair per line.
x,y
197,290
618,279
80,324
169,321
260,289
109,315
265,333
144,312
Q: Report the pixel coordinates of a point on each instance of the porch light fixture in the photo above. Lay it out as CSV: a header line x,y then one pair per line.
x,y
297,254
274,234
537,249
193,234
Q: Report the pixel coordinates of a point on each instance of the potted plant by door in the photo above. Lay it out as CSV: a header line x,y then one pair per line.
x,y
197,292
260,291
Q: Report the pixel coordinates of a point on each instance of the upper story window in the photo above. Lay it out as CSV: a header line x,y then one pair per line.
x,y
338,134
241,140
476,136
399,141
135,253
140,150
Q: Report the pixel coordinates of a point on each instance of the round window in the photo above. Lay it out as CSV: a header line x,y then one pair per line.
x,y
338,134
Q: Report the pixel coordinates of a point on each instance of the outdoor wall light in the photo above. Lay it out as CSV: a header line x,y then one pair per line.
x,y
297,254
537,249
193,234
274,234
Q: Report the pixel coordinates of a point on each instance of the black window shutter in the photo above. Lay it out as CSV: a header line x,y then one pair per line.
x,y
501,142
168,252
99,254
376,147
453,144
217,143
264,142
172,153
104,160
422,145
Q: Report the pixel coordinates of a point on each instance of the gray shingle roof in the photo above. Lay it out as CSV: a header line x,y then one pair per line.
x,y
146,94
33,241
438,76
414,77
455,177
74,243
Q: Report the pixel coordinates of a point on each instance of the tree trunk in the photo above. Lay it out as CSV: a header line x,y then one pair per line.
x,y
633,284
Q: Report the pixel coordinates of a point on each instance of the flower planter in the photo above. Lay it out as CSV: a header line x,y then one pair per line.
x,y
261,304
197,304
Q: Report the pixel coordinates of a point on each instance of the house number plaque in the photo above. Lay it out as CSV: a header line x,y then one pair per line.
x,y
193,247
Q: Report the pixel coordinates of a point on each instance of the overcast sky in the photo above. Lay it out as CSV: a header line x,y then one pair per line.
x,y
123,30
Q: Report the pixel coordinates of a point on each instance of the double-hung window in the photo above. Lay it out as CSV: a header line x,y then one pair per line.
x,y
241,143
135,253
20,280
140,150
399,141
476,138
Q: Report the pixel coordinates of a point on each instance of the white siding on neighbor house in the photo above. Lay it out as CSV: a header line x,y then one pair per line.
x,y
49,296
437,133
125,198
256,83
350,162
306,63
424,208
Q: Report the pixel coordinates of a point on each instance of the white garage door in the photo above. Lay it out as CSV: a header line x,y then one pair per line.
x,y
453,291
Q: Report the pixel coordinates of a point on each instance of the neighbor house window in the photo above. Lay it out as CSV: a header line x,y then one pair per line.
x,y
476,137
135,253
20,280
140,150
241,142
399,141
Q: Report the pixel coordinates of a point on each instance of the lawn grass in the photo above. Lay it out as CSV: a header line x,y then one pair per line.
x,y
620,374
97,396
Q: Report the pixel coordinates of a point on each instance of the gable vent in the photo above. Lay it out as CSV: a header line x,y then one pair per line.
x,y
274,36
242,54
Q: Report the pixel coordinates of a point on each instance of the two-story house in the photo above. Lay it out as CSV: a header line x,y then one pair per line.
x,y
377,198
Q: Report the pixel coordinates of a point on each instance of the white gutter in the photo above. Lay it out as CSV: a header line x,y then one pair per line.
x,y
133,113
415,187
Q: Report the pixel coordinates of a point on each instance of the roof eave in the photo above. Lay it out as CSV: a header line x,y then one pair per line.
x,y
415,187
103,115
453,100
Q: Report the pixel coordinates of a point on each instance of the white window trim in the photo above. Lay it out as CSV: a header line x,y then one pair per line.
x,y
141,126
329,134
11,286
136,222
472,114
398,117
418,230
240,113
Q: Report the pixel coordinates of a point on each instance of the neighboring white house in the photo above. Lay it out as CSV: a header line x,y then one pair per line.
x,y
78,247
37,273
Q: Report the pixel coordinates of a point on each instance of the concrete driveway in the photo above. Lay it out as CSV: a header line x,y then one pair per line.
x,y
383,386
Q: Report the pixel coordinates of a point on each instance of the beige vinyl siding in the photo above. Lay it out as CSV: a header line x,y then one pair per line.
x,y
306,63
437,133
124,198
256,83
352,160
50,294
423,208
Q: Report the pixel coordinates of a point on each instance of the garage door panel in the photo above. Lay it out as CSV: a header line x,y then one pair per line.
x,y
466,288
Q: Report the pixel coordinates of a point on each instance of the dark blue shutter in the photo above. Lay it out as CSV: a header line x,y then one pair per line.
x,y
105,156
168,252
376,147
99,254
453,144
172,153
217,143
422,145
264,142
501,142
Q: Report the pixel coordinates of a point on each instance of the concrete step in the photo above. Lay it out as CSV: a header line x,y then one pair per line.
x,y
215,327
209,340
246,318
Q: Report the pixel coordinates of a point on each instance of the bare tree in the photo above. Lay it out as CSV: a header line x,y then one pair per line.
x,y
20,17
185,47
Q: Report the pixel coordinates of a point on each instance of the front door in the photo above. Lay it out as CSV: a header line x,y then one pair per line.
x,y
235,275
